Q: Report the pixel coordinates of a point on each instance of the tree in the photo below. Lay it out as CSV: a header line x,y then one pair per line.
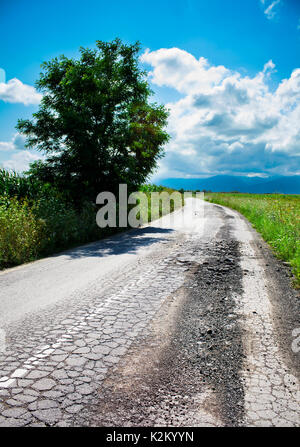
x,y
95,123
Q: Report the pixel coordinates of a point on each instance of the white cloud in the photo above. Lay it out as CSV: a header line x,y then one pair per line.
x,y
227,122
14,91
20,158
269,67
2,75
16,143
270,11
184,71
6,146
20,161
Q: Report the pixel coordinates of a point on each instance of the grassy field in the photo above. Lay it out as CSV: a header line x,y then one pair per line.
x,y
275,216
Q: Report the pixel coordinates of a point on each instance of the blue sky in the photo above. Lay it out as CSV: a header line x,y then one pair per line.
x,y
229,114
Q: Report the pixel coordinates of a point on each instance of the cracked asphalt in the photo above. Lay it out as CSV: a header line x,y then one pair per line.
x,y
185,322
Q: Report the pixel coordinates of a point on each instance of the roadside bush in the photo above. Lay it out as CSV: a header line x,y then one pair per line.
x,y
37,221
65,226
21,235
13,184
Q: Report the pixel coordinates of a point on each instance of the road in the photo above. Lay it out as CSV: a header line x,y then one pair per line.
x,y
185,322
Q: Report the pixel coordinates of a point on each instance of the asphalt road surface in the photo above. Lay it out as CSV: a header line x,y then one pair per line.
x,y
189,321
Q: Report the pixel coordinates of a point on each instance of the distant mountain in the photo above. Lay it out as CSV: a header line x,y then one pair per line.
x,y
227,183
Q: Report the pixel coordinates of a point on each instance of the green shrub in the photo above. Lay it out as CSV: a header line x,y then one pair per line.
x,y
13,184
65,226
21,233
44,222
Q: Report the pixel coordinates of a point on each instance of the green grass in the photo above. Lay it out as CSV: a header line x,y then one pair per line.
x,y
275,216
36,220
22,233
30,230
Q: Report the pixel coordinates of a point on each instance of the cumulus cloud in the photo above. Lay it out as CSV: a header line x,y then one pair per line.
x,y
20,161
19,157
227,122
14,91
6,146
184,71
16,143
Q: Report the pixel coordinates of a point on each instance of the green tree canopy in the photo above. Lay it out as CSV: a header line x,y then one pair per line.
x,y
95,123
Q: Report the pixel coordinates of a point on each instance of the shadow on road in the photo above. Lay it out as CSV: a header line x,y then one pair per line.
x,y
127,242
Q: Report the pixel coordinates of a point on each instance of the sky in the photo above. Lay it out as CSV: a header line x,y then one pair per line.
x,y
229,72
